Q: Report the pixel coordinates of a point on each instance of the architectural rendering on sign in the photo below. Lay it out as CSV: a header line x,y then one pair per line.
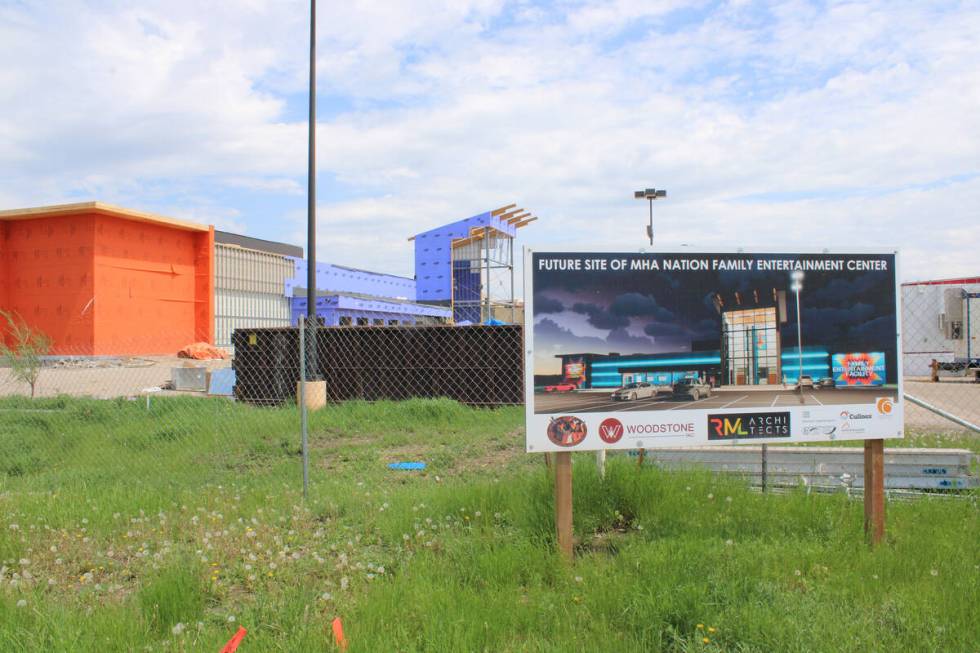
x,y
667,339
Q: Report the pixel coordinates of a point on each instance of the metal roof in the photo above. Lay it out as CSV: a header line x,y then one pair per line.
x,y
260,244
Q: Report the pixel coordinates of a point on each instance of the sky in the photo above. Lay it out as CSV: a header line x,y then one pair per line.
x,y
771,124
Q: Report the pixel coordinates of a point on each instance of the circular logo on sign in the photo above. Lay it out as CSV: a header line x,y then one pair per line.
x,y
611,430
567,431
884,405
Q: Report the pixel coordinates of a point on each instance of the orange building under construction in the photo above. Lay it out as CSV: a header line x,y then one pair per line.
x,y
101,280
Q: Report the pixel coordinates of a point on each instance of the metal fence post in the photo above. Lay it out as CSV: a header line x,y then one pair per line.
x,y
304,418
765,466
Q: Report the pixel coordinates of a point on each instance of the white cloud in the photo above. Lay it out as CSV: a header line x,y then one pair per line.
x,y
781,125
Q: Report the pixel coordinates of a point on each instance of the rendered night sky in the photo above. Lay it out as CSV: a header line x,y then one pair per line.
x,y
666,311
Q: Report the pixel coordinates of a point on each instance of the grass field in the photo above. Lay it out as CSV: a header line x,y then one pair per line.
x,y
128,530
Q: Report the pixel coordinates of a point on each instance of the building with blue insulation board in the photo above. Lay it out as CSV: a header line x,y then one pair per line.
x,y
455,263
442,281
362,310
349,296
339,278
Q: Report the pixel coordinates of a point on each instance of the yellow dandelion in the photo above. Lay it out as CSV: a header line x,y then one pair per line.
x,y
706,640
700,626
711,629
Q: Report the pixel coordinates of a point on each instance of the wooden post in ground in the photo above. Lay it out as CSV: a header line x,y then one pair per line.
x,y
563,502
641,457
934,371
874,491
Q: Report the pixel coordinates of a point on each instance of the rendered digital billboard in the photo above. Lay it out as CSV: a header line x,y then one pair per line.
x,y
695,348
859,369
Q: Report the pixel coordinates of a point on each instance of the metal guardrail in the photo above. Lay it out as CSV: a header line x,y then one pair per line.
x,y
839,467
942,413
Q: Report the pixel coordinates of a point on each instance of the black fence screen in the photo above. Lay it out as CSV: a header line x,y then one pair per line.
x,y
477,365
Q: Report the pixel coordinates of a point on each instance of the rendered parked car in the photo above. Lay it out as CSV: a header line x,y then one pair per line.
x,y
826,382
692,387
806,381
634,391
561,387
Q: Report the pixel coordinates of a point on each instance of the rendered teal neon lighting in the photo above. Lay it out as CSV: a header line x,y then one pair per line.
x,y
807,354
664,362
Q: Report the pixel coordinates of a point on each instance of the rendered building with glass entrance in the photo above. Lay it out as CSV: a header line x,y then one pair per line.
x,y
751,347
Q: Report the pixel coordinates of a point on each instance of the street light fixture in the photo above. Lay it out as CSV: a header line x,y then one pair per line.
x,y
797,286
649,194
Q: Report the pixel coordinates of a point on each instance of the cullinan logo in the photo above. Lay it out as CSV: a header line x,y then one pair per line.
x,y
611,430
737,426
884,405
845,414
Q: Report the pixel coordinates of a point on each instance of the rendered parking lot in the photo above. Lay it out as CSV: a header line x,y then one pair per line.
x,y
599,402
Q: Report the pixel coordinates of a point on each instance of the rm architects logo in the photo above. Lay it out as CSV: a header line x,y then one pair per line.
x,y
611,430
746,426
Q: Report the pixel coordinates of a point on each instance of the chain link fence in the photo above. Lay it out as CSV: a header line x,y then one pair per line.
x,y
254,386
940,357
475,365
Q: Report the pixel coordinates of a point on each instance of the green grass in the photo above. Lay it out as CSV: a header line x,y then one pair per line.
x,y
129,522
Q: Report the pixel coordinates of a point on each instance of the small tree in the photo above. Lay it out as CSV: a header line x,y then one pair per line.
x,y
23,355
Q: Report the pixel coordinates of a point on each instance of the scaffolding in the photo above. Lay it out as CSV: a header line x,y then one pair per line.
x,y
483,270
469,265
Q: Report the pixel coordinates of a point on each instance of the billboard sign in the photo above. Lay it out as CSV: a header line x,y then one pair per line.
x,y
859,369
694,348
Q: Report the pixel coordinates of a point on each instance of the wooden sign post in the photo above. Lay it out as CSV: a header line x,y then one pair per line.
x,y
874,491
563,502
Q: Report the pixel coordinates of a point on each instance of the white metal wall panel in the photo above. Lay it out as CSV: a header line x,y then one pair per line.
x,y
249,270
236,309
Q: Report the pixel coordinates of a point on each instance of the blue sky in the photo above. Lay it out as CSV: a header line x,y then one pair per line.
x,y
771,124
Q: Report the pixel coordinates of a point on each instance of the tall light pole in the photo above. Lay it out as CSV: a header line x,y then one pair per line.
x,y
311,197
649,194
796,286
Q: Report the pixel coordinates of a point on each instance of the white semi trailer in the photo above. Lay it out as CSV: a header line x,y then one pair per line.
x,y
941,321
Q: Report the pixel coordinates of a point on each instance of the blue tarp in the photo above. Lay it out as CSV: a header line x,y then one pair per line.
x,y
406,466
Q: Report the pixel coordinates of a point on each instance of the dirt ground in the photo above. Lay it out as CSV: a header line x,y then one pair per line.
x,y
103,378
127,377
960,399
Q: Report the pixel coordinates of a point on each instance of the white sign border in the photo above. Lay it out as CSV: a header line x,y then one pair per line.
x,y
534,422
